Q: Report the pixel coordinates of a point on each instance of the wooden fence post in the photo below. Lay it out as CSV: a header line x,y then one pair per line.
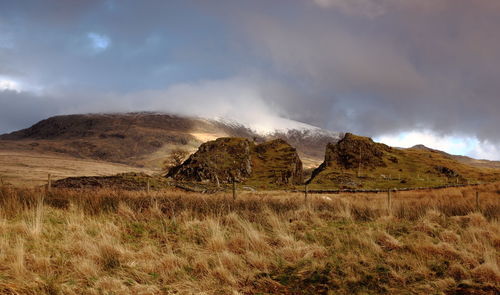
x,y
477,201
234,190
389,202
147,187
305,194
359,164
49,182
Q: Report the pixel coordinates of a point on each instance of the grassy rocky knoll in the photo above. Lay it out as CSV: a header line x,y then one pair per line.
x,y
356,162
125,181
270,164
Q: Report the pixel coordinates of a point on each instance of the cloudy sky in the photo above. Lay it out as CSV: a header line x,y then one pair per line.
x,y
403,72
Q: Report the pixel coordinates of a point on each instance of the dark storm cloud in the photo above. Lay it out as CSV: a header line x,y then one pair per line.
x,y
368,66
150,46
392,65
23,109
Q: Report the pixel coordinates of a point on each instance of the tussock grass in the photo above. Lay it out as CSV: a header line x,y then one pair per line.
x,y
121,242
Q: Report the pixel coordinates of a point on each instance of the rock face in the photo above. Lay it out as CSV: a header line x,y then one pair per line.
x,y
217,161
225,159
351,153
276,162
352,150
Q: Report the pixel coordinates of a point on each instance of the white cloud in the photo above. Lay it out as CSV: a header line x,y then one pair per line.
x,y
486,150
7,84
99,42
452,144
236,99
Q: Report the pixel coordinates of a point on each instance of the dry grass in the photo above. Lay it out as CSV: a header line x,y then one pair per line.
x,y
28,169
118,242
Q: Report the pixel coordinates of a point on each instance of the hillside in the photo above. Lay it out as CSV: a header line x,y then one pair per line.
x,y
358,162
463,159
226,159
145,139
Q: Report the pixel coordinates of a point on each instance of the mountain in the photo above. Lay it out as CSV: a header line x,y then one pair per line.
x,y
357,162
226,159
146,139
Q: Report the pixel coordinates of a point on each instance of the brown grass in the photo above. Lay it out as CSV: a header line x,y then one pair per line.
x,y
29,169
119,242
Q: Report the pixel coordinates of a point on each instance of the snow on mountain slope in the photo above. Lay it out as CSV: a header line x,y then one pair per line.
x,y
279,125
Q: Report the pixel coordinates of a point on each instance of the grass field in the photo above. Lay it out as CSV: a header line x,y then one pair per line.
x,y
119,242
29,169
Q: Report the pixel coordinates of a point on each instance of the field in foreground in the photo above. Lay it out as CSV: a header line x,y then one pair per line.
x,y
117,242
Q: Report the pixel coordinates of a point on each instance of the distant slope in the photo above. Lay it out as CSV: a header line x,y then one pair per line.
x,y
145,139
477,163
356,162
463,159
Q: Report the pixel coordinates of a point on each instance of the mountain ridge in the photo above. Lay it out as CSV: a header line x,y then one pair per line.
x,y
143,139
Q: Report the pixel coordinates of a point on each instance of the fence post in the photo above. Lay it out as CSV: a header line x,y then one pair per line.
x,y
234,190
147,186
305,194
49,182
359,164
477,200
389,202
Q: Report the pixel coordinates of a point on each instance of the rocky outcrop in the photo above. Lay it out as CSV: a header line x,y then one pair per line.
x,y
357,162
352,152
217,161
277,162
446,171
225,159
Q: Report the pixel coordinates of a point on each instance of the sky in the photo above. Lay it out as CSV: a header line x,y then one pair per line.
x,y
403,72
